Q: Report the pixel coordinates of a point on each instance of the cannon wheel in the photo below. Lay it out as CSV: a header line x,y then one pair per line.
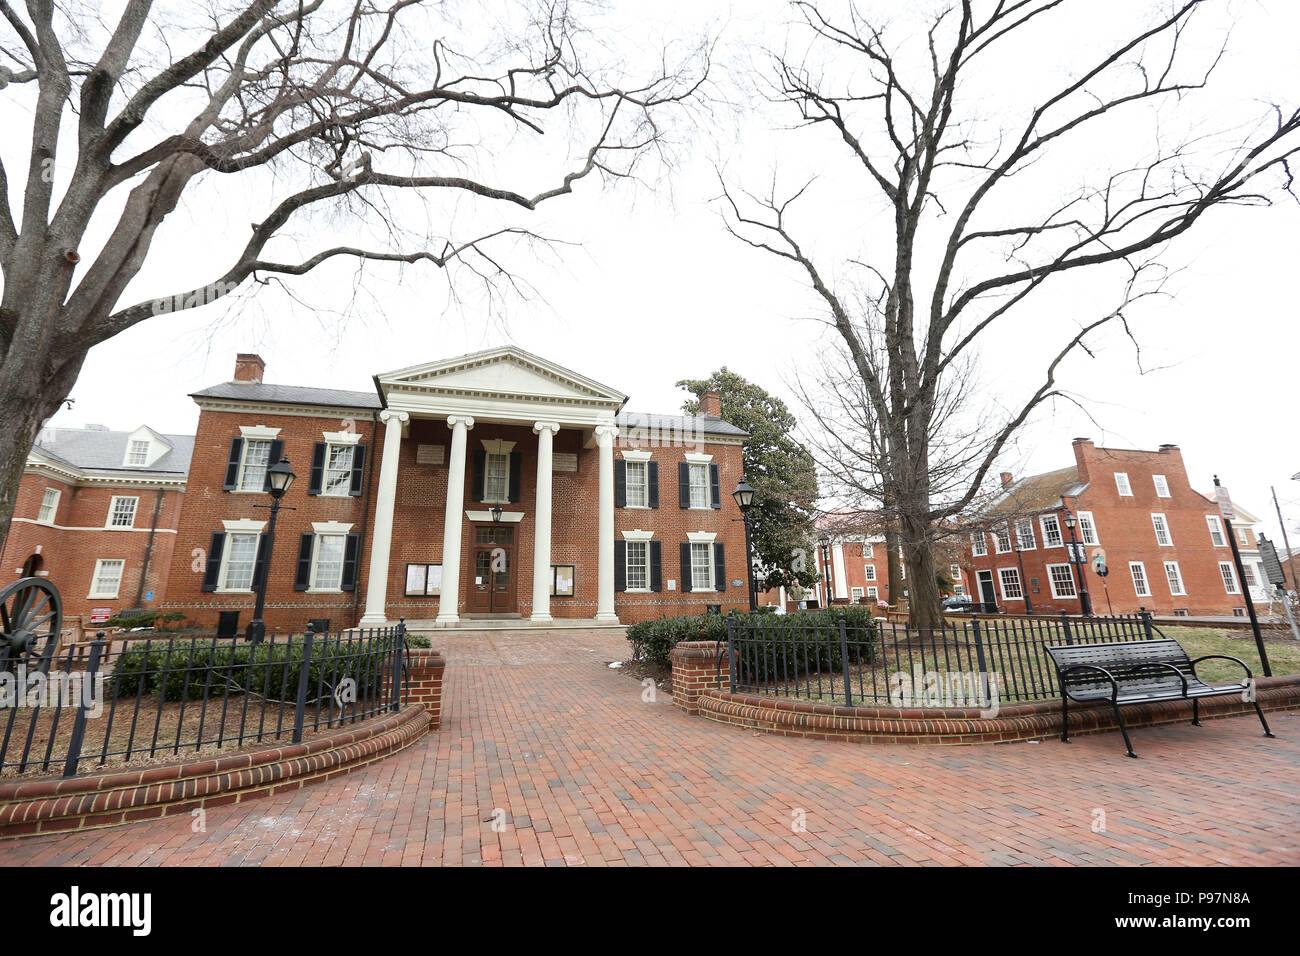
x,y
31,614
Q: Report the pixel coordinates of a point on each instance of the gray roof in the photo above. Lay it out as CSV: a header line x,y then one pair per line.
x,y
677,424
99,450
291,395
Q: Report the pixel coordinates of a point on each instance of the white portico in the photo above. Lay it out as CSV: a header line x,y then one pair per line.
x,y
487,408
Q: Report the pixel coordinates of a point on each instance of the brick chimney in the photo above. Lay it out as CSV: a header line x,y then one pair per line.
x,y
249,368
1082,449
711,404
1007,479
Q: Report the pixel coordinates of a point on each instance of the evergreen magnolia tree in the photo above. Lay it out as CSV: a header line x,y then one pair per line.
x,y
781,471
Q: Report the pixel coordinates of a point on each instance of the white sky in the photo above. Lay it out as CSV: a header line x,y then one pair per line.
x,y
658,291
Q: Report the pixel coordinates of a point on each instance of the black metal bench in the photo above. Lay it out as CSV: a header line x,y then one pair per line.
x,y
1133,672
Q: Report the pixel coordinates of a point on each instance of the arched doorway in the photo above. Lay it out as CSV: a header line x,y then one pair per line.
x,y
33,565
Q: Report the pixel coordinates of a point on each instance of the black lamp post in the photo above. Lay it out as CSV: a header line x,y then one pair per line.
x,y
279,477
744,495
1020,560
1085,599
825,542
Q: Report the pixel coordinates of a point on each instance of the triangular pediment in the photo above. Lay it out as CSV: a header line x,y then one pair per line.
x,y
506,372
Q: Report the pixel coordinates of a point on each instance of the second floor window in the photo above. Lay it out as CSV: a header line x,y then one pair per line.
x,y
121,513
1002,539
1229,577
699,475
638,487
1162,486
1051,531
338,470
979,547
1122,485
1087,528
49,506
496,485
1216,531
869,572
1162,531
252,471
1025,535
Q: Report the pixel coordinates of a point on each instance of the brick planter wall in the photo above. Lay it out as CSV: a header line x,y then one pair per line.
x,y
90,801
424,682
695,670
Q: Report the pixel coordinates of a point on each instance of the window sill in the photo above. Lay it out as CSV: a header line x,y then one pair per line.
x,y
101,597
233,591
633,591
119,527
324,591
637,507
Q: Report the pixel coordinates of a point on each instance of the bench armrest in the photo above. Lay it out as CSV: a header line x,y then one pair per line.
x,y
1062,671
1222,657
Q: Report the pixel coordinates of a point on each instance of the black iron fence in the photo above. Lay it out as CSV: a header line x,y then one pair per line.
x,y
72,712
976,662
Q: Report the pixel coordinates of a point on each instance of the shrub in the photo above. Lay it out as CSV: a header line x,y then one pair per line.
x,y
144,619
160,667
418,640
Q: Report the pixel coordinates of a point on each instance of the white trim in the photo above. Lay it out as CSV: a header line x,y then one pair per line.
x,y
1169,535
1146,581
997,539
331,527
497,446
696,458
112,506
1002,584
705,538
1232,573
1047,538
1096,535
507,517
1159,480
701,537
258,433
1052,582
325,467
243,526
1215,526
638,535
708,487
341,438
94,580
983,549
315,556
629,455
1182,585
865,575
65,527
1033,536
54,511
1119,488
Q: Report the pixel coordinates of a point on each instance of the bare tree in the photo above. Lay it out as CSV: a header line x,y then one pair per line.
x,y
332,107
909,131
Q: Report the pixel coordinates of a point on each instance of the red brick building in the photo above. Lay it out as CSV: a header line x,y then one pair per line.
x,y
492,485
1163,542
97,514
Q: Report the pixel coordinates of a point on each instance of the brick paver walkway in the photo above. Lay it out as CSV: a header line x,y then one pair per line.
x,y
549,757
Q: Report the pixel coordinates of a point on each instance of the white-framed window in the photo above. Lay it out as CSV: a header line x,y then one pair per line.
x,y
238,562
856,594
638,566
255,459
954,571
978,544
701,566
1163,537
1009,579
1051,526
1216,531
496,477
1061,578
1229,576
1139,572
698,475
869,572
1162,486
138,452
121,511
873,593
107,580
637,484
1174,576
868,550
327,562
337,480
1025,535
1002,538
1088,528
49,506
1243,537
1249,571
1122,485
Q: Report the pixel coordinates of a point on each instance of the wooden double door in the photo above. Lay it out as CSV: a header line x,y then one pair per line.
x,y
492,569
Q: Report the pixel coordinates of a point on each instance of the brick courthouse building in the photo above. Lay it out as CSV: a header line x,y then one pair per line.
x,y
492,485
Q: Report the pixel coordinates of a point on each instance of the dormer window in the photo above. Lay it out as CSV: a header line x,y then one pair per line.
x,y
138,452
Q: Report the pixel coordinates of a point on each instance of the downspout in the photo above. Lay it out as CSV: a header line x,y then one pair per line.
x,y
148,549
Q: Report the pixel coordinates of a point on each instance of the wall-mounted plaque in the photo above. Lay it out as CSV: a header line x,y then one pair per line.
x,y
562,576
423,580
430,454
564,461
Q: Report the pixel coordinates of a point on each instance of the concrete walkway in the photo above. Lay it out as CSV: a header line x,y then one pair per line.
x,y
548,757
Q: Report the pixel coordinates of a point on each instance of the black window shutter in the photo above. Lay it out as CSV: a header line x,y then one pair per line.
x,y
620,483
656,566
213,567
232,464
317,469
358,470
684,483
277,452
652,480
303,575
480,474
715,486
719,567
259,564
350,548
686,566
516,473
620,565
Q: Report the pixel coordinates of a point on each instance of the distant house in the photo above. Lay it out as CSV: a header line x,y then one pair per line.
x,y
97,513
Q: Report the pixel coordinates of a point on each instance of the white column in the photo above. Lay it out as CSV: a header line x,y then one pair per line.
x,y
837,563
449,594
605,435
542,523
381,539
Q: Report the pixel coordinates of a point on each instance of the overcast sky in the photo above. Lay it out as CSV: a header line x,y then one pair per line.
x,y
655,290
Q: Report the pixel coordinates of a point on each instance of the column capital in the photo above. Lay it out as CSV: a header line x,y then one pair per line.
x,y
392,414
540,427
466,420
606,432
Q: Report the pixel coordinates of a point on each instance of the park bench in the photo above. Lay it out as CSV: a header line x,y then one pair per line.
x,y
1133,672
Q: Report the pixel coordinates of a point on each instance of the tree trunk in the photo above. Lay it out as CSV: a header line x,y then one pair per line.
x,y
924,607
894,570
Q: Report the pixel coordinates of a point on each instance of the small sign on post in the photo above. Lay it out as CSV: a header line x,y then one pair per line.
x,y
1225,503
